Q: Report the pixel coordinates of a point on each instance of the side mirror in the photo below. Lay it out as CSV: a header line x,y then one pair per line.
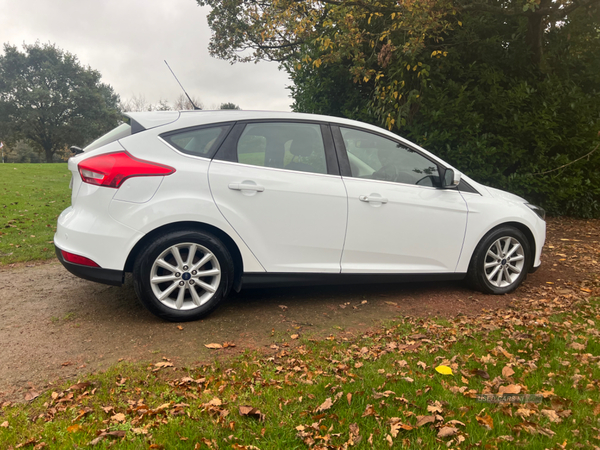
x,y
451,179
75,150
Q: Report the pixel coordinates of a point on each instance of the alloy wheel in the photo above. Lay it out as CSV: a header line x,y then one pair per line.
x,y
504,261
185,276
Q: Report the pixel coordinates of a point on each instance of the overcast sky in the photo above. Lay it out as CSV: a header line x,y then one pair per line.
x,y
127,41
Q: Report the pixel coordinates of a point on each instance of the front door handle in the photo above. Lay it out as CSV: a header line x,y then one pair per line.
x,y
372,199
246,187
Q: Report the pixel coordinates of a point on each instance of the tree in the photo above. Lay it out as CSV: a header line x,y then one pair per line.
x,y
485,108
512,103
541,16
182,103
229,105
363,35
385,44
139,103
48,98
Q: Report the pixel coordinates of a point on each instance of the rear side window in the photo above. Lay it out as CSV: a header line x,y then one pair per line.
x,y
290,146
198,142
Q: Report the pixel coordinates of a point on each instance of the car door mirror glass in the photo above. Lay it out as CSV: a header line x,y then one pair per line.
x,y
451,178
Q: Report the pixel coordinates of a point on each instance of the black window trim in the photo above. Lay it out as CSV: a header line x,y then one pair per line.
x,y
346,170
228,148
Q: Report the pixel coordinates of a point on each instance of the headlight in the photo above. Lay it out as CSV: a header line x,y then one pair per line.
x,y
538,210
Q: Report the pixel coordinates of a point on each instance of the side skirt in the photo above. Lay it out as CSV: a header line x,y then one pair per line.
x,y
257,280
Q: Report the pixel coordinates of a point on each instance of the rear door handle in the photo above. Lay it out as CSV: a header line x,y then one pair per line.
x,y
368,199
246,187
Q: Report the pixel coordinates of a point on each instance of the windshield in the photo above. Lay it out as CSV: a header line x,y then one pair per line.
x,y
120,132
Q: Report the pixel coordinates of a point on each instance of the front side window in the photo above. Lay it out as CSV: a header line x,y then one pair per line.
x,y
291,146
199,142
374,157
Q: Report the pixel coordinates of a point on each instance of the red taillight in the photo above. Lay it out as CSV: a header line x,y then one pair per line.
x,y
112,169
76,259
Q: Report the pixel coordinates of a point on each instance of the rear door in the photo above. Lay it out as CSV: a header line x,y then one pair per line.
x,y
278,185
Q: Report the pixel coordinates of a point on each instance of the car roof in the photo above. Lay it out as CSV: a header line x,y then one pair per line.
x,y
152,119
183,119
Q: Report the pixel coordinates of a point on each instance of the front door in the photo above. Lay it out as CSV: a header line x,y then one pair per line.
x,y
399,218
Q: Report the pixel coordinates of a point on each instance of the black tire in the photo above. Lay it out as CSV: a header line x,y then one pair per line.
x,y
185,288
494,271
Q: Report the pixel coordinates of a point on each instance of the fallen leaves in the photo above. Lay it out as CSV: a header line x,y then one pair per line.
x,y
328,403
486,421
507,372
80,386
577,346
215,346
119,417
424,420
103,435
510,389
482,373
447,432
31,395
249,411
161,365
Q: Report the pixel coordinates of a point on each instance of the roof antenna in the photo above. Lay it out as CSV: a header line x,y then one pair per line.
x,y
186,94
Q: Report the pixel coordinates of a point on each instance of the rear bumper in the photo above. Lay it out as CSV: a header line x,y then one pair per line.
x,y
97,274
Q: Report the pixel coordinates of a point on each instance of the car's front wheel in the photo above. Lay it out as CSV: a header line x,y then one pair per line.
x,y
500,262
183,275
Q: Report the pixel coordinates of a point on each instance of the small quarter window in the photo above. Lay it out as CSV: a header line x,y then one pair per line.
x,y
199,142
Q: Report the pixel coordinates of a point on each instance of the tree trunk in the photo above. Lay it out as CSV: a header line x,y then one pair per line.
x,y
49,154
534,37
536,22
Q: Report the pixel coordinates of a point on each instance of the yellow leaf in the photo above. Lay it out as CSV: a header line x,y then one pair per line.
x,y
74,428
444,370
459,23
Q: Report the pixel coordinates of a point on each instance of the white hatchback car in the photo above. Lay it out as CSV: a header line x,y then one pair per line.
x,y
197,203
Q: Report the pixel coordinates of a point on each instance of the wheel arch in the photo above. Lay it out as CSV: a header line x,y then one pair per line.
x,y
234,251
519,226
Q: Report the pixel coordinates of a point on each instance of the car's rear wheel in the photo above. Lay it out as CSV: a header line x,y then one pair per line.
x,y
500,262
183,275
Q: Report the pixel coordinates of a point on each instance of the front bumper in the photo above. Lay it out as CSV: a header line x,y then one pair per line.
x,y
97,274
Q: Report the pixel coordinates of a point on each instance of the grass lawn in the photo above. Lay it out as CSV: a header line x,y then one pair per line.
x,y
31,198
526,377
